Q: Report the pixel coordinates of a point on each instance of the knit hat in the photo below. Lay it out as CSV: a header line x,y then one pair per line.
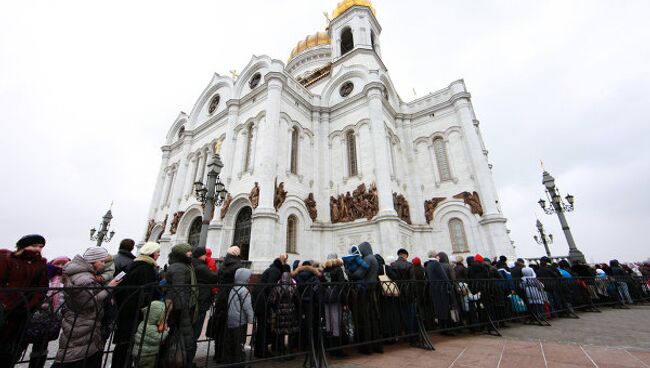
x,y
402,251
198,252
93,254
149,248
459,259
181,248
486,259
416,261
478,258
432,254
234,251
332,256
28,240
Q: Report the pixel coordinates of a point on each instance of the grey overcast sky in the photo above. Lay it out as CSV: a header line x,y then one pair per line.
x,y
89,89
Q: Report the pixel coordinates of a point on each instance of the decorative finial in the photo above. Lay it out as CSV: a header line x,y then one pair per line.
x,y
542,163
111,206
234,74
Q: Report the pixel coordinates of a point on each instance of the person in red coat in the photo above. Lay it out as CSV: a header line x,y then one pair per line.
x,y
22,268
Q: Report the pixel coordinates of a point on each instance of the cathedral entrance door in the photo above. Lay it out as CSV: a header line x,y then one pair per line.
x,y
243,231
195,232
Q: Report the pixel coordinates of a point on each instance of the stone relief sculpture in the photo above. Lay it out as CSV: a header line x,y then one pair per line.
x,y
310,202
361,203
472,200
254,195
150,226
280,196
175,221
225,205
430,207
402,208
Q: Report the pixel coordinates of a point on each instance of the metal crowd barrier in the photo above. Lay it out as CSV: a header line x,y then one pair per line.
x,y
312,322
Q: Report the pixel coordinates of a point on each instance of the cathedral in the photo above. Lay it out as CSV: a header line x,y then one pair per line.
x,y
321,153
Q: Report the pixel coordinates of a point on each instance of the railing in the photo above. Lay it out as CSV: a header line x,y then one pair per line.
x,y
247,324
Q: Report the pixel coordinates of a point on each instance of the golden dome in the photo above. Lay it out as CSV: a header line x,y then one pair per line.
x,y
347,4
317,39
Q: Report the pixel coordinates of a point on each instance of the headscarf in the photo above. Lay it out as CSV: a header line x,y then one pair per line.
x,y
528,273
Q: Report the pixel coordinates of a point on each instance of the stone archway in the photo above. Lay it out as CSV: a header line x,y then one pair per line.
x,y
242,236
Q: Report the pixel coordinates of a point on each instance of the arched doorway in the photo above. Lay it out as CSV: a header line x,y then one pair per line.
x,y
243,231
194,235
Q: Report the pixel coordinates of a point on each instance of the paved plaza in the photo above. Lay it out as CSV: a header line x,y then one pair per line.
x,y
613,338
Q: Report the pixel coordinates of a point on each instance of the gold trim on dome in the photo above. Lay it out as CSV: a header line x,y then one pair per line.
x,y
317,39
347,4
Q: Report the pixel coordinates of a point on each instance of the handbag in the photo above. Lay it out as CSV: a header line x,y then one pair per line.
x,y
518,305
388,286
44,325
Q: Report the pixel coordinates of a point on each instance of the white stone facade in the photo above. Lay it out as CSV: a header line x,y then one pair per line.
x,y
394,150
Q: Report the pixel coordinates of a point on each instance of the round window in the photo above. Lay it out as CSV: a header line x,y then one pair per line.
x,y
214,103
255,80
346,89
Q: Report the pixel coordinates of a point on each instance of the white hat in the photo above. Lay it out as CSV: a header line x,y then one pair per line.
x,y
93,254
149,248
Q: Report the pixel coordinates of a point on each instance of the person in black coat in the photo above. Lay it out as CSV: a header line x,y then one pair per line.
x,y
226,278
551,278
365,303
265,284
130,299
204,276
123,259
439,288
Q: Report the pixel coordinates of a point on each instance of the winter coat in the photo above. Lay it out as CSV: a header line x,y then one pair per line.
x,y
283,298
535,293
81,326
371,275
333,273
181,272
141,274
122,260
240,309
266,282
147,347
19,271
460,271
307,278
204,276
439,286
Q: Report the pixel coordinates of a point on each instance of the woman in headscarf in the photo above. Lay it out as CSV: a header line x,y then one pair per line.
x,y
535,294
283,300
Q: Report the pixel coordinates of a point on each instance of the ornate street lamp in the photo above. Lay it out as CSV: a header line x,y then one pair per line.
x,y
559,207
210,195
103,235
543,238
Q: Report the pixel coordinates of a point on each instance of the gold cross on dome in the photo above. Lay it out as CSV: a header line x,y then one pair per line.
x,y
234,74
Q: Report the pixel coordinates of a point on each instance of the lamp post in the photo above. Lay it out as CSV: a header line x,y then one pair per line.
x,y
559,207
543,238
103,235
210,195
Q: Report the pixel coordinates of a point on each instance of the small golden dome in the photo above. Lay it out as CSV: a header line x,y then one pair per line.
x,y
317,39
347,4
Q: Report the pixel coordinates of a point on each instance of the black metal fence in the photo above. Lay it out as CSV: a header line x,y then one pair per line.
x,y
247,324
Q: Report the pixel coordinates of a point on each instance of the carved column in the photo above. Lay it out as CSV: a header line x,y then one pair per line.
x,y
228,148
160,184
325,162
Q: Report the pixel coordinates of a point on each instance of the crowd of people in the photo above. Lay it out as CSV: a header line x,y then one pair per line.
x,y
153,315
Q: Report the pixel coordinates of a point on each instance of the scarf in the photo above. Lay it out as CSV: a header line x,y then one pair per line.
x,y
146,259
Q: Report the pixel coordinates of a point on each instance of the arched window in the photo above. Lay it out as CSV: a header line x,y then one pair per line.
x,y
347,41
195,232
294,150
181,132
249,148
352,153
292,234
457,236
372,39
440,151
